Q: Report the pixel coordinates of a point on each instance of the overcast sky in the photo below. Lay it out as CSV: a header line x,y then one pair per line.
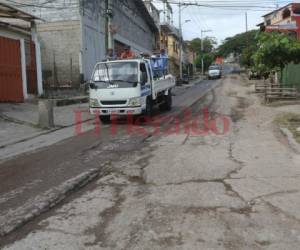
x,y
223,23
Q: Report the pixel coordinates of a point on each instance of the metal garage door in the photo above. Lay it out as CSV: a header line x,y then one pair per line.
x,y
11,89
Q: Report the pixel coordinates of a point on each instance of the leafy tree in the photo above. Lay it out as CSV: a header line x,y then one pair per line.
x,y
243,45
207,53
238,43
275,51
208,59
208,45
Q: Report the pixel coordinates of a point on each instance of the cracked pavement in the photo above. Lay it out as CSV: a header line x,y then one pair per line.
x,y
238,190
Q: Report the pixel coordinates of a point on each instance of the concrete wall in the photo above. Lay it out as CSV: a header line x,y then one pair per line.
x,y
60,49
72,38
93,35
131,28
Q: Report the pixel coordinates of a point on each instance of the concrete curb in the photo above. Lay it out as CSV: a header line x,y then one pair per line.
x,y
50,199
24,139
70,101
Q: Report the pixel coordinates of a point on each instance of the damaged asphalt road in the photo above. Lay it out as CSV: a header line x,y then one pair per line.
x,y
37,181
233,190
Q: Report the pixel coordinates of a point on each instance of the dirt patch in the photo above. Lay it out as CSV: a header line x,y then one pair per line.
x,y
232,93
243,103
290,121
246,82
236,114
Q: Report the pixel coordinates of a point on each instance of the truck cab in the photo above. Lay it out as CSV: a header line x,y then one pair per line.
x,y
124,87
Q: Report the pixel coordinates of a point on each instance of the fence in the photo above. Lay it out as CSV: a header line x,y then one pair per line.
x,y
291,76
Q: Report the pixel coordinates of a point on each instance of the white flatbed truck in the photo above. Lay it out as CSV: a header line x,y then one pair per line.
x,y
124,87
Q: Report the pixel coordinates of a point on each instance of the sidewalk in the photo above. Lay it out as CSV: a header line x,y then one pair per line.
x,y
19,122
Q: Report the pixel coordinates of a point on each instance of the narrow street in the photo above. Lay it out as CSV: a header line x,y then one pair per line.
x,y
34,182
235,188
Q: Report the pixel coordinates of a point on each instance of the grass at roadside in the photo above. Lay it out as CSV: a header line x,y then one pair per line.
x,y
290,121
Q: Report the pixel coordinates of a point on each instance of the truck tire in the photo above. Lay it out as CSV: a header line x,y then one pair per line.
x,y
149,107
105,119
167,105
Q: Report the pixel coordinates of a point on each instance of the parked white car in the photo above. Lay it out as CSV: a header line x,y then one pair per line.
x,y
214,72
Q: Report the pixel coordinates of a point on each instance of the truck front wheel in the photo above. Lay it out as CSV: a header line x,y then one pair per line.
x,y
149,107
105,119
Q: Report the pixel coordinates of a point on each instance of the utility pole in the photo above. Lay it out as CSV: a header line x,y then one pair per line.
x,y
246,16
109,14
164,10
202,49
180,41
202,56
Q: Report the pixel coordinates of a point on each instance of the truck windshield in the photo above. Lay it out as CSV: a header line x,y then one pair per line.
x,y
116,74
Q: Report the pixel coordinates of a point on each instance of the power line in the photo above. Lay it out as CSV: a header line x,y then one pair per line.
x,y
235,5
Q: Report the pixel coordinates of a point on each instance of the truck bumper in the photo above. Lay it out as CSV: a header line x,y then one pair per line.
x,y
116,111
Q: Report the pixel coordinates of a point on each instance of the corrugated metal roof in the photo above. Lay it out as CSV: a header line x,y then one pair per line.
x,y
8,11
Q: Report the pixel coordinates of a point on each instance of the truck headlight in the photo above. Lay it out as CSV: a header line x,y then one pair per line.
x,y
94,103
134,102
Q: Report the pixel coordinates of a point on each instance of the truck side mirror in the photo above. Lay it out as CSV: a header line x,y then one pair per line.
x,y
93,85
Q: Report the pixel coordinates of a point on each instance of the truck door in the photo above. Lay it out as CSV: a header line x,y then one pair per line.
x,y
145,79
150,74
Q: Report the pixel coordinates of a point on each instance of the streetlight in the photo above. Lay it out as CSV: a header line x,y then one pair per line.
x,y
202,49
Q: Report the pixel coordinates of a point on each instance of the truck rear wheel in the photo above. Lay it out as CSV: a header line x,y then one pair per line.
x,y
105,119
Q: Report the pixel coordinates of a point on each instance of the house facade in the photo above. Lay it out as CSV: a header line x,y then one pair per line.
x,y
285,19
74,35
20,61
170,40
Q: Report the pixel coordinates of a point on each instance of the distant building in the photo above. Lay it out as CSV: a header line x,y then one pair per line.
x,y
285,19
170,39
155,14
189,57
